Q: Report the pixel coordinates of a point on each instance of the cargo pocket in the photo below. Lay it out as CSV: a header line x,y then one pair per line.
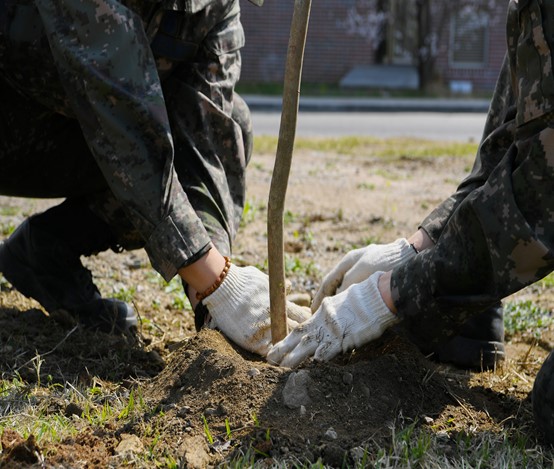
x,y
533,59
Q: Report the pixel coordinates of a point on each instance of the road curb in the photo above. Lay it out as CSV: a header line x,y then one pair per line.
x,y
312,104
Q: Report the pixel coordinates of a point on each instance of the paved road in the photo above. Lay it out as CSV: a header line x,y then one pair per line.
x,y
461,126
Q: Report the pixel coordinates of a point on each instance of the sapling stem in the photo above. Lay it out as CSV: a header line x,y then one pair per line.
x,y
283,159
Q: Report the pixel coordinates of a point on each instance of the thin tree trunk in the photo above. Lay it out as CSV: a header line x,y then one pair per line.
x,y
283,159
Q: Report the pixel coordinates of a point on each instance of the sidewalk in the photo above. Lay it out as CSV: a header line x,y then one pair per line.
x,y
332,104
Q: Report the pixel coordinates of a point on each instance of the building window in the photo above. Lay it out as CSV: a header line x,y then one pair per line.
x,y
402,40
469,39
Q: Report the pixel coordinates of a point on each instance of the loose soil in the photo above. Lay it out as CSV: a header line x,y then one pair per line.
x,y
204,401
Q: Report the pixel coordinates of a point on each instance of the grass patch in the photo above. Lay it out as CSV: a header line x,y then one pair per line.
x,y
393,148
7,228
9,211
548,281
413,445
294,265
252,210
175,288
41,410
525,317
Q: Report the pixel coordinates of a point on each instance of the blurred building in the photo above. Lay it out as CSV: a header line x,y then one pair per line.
x,y
351,47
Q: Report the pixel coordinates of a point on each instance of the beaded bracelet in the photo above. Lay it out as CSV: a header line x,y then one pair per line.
x,y
217,283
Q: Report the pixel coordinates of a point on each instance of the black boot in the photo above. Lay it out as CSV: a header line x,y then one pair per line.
x,y
41,259
543,399
479,345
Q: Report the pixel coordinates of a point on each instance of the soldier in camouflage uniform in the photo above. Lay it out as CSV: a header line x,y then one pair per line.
x,y
127,109
493,237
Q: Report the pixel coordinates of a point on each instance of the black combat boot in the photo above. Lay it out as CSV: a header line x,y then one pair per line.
x,y
543,399
479,345
41,259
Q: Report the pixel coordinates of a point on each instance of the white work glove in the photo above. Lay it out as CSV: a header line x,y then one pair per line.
x,y
348,320
239,308
359,264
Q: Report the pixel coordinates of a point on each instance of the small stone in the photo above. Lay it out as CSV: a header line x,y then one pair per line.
x,y
134,263
358,453
331,434
129,444
183,411
302,410
253,372
295,392
347,378
195,452
428,420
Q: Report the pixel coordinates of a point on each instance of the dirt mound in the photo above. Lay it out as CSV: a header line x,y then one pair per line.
x,y
320,411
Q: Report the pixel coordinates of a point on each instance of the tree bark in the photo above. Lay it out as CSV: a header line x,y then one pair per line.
x,y
283,159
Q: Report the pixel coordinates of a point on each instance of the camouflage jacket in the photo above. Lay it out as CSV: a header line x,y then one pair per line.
x,y
92,60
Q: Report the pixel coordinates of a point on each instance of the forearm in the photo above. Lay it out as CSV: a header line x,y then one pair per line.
x,y
203,273
420,240
385,291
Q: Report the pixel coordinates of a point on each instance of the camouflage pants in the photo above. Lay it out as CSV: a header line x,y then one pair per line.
x,y
495,235
46,152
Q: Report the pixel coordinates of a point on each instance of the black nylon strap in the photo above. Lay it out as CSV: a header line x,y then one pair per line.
x,y
200,316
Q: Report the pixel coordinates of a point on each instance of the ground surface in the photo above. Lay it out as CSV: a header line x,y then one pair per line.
x,y
199,401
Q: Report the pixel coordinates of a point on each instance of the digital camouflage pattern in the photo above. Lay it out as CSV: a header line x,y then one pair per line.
x,y
495,235
131,104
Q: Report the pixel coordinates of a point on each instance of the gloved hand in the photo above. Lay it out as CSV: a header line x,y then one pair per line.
x,y
350,319
359,264
240,309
